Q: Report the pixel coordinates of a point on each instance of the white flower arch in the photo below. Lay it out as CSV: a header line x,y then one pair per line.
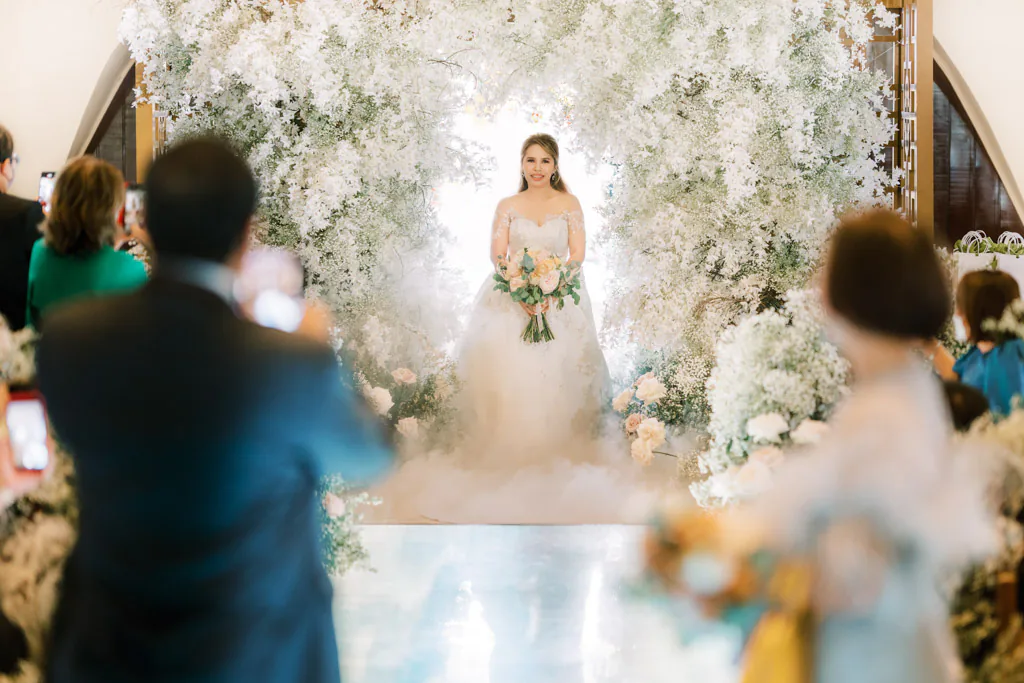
x,y
739,128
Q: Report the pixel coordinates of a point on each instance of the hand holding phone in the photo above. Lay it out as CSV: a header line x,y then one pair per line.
x,y
47,181
26,448
270,288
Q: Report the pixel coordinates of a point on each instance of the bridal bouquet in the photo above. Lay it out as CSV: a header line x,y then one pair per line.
x,y
538,280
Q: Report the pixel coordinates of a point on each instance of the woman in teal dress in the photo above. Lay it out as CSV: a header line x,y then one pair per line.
x,y
992,365
76,256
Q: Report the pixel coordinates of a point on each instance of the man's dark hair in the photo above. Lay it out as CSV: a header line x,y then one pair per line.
x,y
884,276
966,404
984,295
200,196
6,144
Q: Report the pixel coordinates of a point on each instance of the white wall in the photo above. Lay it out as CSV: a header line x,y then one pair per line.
x,y
982,40
54,54
61,49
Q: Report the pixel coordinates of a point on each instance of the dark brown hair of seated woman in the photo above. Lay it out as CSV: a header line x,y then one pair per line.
x,y
983,295
884,276
83,211
966,404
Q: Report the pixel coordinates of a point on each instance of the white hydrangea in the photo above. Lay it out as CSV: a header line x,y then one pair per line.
x,y
774,369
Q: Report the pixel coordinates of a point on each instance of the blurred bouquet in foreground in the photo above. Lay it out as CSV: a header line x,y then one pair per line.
x,y
720,567
538,280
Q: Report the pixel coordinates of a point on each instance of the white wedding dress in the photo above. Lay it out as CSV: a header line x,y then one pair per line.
x,y
526,402
528,446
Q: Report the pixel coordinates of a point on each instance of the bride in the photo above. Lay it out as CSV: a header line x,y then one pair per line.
x,y
529,402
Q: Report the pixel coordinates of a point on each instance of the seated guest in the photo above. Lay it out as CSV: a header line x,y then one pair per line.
x,y
199,440
966,404
19,230
76,257
993,365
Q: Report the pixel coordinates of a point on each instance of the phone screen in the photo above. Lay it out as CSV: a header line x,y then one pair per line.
x,y
26,425
270,286
47,181
134,205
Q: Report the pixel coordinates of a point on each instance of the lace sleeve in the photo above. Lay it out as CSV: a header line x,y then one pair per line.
x,y
577,237
499,234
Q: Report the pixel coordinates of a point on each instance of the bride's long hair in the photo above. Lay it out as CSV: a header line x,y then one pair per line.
x,y
549,145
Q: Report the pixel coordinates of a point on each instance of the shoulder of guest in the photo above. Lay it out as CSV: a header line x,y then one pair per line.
x,y
11,205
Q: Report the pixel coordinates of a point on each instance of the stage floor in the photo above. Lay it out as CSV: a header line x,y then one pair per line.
x,y
509,604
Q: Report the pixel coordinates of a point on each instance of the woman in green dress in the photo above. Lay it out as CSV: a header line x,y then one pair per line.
x,y
76,257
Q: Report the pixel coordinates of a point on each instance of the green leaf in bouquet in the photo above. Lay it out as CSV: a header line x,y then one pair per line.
x,y
561,304
576,298
528,263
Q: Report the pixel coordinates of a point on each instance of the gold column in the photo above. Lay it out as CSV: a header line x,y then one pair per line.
x,y
143,131
925,117
917,192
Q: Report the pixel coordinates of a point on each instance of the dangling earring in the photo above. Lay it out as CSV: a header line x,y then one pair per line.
x,y
554,177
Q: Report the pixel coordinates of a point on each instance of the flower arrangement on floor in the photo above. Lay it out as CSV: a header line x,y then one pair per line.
x,y
638,404
776,382
415,407
342,546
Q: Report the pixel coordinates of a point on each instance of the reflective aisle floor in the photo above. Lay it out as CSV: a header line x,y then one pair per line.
x,y
509,604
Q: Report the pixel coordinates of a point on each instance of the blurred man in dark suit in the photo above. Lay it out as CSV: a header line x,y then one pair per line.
x,y
198,439
19,230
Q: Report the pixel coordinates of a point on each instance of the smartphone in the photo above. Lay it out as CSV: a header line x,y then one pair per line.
x,y
270,287
134,207
47,181
26,427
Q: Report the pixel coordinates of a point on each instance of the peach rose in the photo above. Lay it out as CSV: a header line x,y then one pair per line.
x,y
516,283
549,282
633,422
404,376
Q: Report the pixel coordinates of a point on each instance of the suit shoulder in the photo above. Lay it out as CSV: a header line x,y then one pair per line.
x,y
12,207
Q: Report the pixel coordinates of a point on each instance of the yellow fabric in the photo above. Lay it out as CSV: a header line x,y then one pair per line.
x,y
781,647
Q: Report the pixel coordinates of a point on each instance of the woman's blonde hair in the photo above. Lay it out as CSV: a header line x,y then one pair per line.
x,y
549,145
86,198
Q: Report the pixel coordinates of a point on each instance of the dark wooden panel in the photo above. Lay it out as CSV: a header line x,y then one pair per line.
x,y
969,195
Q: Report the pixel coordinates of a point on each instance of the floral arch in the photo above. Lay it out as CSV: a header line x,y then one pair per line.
x,y
739,130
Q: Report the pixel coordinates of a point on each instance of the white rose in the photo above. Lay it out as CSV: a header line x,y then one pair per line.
x,y
653,431
621,401
549,282
404,376
380,399
771,457
409,427
642,451
767,428
809,432
651,390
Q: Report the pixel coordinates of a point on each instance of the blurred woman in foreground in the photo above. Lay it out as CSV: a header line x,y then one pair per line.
x,y
845,555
